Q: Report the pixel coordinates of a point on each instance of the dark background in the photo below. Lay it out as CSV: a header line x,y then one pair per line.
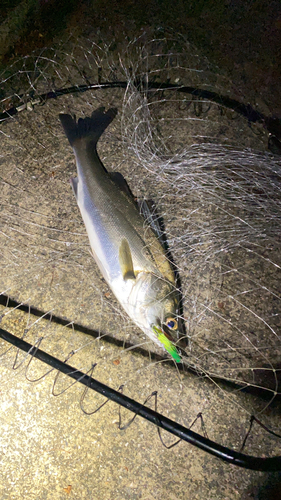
x,y
242,37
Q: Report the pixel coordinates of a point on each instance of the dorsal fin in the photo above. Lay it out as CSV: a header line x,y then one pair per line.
x,y
120,181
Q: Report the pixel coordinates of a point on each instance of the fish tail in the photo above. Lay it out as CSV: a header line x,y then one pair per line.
x,y
90,128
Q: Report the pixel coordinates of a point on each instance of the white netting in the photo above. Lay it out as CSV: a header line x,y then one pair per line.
x,y
216,189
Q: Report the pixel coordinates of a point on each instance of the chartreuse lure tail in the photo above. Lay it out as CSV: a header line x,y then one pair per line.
x,y
169,346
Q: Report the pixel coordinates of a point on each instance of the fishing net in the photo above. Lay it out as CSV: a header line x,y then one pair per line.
x,y
217,190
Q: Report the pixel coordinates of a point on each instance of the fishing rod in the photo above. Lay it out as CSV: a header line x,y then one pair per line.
x,y
226,454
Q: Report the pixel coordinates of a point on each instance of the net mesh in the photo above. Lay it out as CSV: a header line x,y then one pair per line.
x,y
218,193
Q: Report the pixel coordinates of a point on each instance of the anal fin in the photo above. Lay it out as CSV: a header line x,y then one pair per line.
x,y
74,185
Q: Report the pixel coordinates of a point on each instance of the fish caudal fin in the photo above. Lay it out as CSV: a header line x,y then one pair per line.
x,y
89,127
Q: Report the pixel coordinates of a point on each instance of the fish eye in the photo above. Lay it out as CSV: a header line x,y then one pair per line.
x,y
171,323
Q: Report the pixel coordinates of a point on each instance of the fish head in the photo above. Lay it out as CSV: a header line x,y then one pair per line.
x,y
159,303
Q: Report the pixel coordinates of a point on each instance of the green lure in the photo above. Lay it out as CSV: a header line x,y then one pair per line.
x,y
169,346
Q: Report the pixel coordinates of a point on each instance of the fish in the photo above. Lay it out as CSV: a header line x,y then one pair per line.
x,y
127,250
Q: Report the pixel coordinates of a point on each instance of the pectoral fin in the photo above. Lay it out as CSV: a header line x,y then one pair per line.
x,y
126,261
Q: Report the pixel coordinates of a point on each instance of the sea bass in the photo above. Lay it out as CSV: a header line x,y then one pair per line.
x,y
127,252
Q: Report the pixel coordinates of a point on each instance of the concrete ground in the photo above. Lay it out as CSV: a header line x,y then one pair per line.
x,y
50,448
